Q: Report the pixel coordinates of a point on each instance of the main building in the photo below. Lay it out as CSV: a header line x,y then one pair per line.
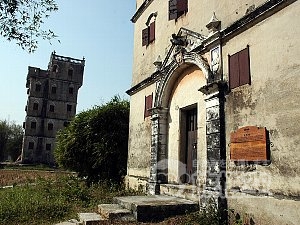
x,y
214,105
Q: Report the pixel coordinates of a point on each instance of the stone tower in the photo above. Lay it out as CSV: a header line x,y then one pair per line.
x,y
51,104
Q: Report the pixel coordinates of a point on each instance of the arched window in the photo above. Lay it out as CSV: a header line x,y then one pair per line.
x,y
148,34
50,126
53,89
71,89
51,108
55,68
70,73
38,87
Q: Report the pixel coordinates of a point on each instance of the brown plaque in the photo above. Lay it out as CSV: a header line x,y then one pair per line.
x,y
248,144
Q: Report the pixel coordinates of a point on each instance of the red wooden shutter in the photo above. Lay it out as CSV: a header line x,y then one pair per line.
x,y
173,9
152,32
233,71
145,36
244,66
182,7
148,105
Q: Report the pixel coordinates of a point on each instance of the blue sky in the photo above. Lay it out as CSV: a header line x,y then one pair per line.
x,y
100,31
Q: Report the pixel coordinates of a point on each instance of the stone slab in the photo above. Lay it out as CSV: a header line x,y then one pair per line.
x,y
156,207
90,218
114,212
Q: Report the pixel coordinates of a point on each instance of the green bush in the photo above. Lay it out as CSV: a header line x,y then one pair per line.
x,y
95,144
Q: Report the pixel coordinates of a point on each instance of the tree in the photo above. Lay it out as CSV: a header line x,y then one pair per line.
x,y
95,144
21,21
11,137
4,130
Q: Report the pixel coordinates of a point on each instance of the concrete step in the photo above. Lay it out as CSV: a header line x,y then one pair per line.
x,y
186,191
156,207
69,222
91,219
115,212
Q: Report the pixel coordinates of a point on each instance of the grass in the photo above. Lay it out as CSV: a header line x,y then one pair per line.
x,y
22,176
45,198
52,199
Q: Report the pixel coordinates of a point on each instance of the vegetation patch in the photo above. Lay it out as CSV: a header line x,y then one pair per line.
x,y
14,177
51,200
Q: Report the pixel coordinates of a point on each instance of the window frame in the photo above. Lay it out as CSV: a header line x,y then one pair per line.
x,y
30,145
177,8
148,34
50,126
51,108
148,105
47,147
33,125
69,108
53,90
35,106
38,87
239,72
71,90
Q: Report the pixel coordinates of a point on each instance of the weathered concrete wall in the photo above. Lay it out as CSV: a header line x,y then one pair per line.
x,y
271,101
139,138
195,19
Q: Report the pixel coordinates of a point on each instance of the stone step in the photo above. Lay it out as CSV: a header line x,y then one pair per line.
x,y
115,212
189,192
91,219
156,207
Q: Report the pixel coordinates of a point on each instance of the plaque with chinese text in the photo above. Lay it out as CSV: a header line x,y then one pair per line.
x,y
249,144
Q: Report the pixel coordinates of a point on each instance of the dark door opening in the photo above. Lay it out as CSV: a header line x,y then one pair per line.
x,y
189,147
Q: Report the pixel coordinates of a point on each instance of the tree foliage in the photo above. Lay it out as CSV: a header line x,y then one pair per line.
x,y
11,137
95,144
21,21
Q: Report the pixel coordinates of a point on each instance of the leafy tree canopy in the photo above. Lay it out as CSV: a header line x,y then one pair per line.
x,y
21,21
95,142
11,137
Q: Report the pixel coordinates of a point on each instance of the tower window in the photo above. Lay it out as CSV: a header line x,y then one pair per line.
x,y
48,147
35,106
71,90
50,126
55,68
33,125
37,87
69,108
30,145
51,108
53,89
70,73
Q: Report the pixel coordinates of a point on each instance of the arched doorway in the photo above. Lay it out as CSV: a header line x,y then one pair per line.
x,y
185,126
177,99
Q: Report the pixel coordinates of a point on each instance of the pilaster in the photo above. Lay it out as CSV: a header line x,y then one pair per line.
x,y
159,162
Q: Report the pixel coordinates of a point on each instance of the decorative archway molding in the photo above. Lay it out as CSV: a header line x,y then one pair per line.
x,y
159,113
171,72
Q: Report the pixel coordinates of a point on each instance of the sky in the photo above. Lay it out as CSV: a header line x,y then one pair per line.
x,y
100,31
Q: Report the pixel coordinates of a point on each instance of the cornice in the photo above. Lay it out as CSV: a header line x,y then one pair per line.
x,y
140,10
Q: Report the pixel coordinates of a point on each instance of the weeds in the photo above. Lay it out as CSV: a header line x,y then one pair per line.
x,y
52,200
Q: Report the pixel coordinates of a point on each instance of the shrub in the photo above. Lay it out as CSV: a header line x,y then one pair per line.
x,y
95,143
